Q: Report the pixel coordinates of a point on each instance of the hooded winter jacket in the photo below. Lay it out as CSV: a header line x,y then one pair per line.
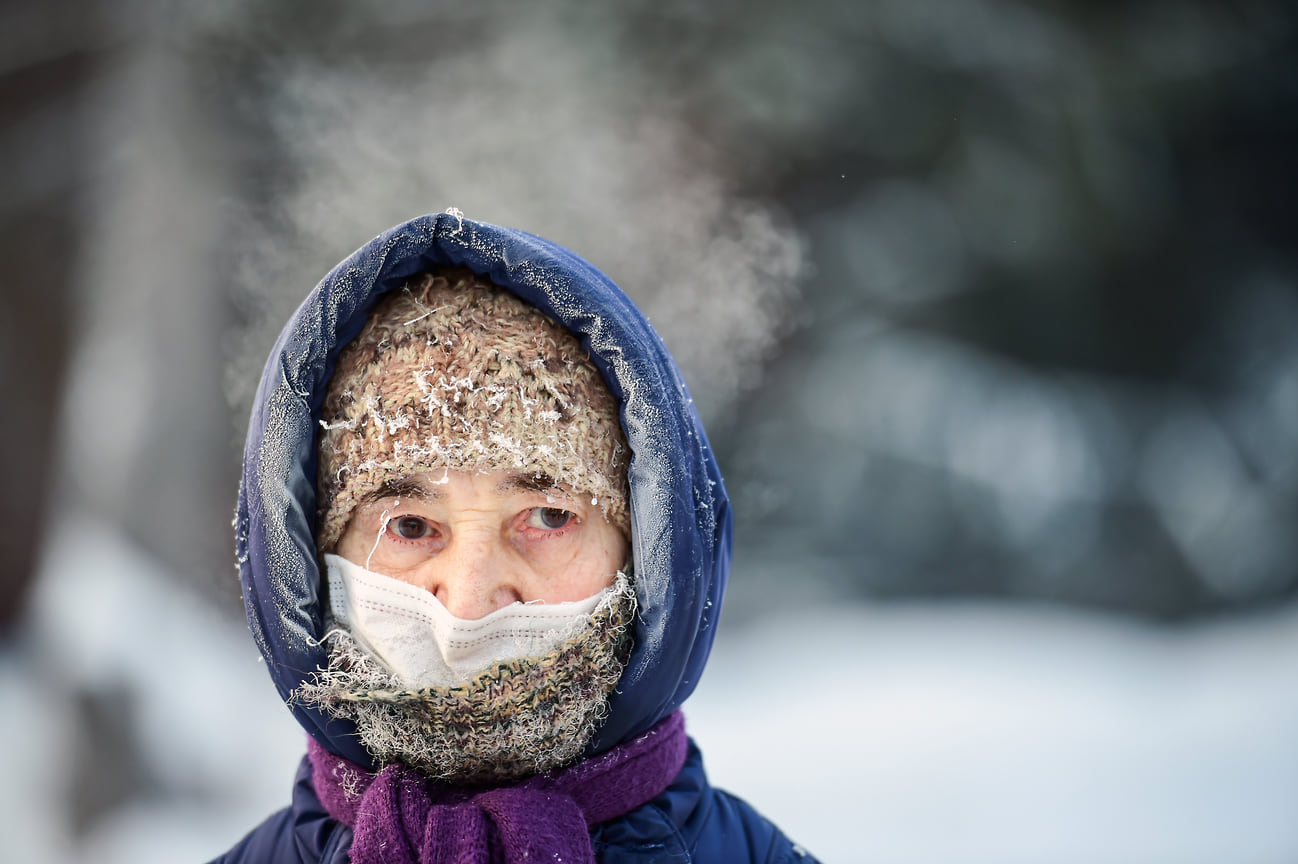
x,y
680,532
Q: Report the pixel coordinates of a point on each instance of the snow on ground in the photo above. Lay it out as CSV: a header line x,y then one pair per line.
x,y
902,733
218,747
984,733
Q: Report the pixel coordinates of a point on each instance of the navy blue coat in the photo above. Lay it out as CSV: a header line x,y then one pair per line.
x,y
680,531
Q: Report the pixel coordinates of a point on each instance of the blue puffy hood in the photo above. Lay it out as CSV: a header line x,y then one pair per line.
x,y
680,516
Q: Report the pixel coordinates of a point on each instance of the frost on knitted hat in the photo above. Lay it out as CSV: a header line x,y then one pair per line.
x,y
452,372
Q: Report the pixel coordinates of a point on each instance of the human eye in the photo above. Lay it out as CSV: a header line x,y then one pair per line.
x,y
409,528
549,518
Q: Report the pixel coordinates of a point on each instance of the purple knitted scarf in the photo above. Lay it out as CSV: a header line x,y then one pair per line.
x,y
399,815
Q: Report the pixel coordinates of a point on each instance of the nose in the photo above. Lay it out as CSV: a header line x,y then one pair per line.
x,y
473,576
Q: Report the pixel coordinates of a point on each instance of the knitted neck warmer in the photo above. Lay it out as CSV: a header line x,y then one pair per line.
x,y
399,816
518,718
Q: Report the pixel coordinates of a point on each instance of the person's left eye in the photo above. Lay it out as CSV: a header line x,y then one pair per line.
x,y
549,518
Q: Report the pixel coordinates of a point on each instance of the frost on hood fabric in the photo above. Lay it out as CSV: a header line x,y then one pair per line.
x,y
680,515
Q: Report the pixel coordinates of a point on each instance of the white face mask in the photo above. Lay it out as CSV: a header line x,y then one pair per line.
x,y
418,640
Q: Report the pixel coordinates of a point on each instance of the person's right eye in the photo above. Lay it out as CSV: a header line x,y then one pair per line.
x,y
409,527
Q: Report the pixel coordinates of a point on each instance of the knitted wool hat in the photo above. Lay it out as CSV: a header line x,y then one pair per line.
x,y
454,373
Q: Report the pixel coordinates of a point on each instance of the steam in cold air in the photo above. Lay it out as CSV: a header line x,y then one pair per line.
x,y
520,133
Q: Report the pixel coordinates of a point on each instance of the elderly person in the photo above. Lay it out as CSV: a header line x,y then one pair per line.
x,y
483,545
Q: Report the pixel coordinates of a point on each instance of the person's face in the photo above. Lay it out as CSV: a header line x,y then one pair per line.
x,y
481,541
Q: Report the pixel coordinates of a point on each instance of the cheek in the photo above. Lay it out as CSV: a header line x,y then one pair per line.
x,y
616,548
351,544
366,542
574,567
599,562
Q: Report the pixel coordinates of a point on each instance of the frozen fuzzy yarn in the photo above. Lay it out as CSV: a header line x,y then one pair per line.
x,y
452,372
518,718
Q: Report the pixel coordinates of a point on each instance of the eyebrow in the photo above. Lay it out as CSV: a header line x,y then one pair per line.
x,y
535,482
418,488
402,487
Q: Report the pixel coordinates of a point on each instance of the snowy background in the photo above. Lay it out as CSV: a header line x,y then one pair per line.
x,y
988,304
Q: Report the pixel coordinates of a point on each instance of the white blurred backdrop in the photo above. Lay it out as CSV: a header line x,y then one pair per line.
x,y
988,305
